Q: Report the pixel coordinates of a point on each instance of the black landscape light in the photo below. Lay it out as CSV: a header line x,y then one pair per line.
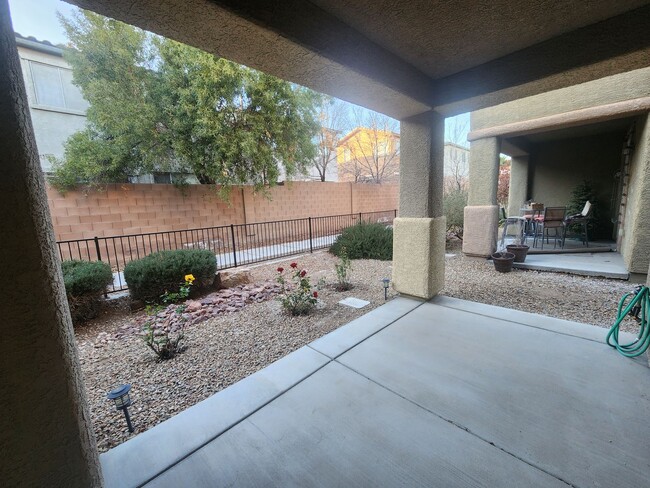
x,y
120,396
386,282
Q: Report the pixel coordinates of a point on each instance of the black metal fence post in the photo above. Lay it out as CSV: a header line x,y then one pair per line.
x,y
99,258
395,213
234,248
359,217
99,252
311,245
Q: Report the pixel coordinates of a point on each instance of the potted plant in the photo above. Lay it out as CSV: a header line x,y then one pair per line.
x,y
519,249
503,261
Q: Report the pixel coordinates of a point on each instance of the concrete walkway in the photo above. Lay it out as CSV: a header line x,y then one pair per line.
x,y
447,393
603,264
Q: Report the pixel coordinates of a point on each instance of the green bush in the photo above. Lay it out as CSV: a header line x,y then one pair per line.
x,y
150,277
85,281
454,203
365,241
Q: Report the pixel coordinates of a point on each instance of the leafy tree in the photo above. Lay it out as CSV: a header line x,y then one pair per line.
x,y
156,104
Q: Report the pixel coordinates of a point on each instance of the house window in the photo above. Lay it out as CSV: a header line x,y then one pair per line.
x,y
53,87
162,178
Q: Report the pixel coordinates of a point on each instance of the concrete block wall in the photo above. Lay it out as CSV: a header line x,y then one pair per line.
x,y
144,208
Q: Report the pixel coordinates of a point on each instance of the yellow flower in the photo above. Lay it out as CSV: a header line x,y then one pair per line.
x,y
189,278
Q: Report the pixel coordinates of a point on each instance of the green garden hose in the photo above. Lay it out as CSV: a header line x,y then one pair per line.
x,y
637,305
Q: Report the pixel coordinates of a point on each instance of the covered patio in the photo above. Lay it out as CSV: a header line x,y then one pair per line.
x,y
440,393
418,393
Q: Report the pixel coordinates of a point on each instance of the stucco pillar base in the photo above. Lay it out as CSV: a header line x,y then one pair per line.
x,y
419,256
480,230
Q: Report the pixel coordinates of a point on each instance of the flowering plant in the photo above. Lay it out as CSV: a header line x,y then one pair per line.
x,y
183,291
297,296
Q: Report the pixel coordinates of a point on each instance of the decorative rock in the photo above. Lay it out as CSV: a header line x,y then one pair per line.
x,y
230,279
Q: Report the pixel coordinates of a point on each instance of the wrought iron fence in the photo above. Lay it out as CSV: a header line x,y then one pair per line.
x,y
233,245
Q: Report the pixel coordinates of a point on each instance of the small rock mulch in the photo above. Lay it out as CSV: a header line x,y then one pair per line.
x,y
229,335
232,333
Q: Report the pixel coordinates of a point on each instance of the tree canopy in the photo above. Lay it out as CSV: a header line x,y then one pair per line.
x,y
159,105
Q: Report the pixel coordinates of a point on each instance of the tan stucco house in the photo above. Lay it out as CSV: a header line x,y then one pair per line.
x,y
596,131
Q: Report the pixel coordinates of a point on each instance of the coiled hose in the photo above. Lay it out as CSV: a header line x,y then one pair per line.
x,y
637,305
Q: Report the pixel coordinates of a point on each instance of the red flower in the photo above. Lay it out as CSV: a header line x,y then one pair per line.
x,y
315,294
303,273
280,269
294,265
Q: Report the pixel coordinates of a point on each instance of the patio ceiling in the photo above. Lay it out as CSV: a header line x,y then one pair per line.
x,y
404,58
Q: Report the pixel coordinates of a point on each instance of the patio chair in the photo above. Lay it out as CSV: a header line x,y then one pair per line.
x,y
553,219
581,219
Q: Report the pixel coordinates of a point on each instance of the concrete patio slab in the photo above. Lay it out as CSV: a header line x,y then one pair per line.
x,y
448,394
346,337
567,406
603,264
152,452
338,428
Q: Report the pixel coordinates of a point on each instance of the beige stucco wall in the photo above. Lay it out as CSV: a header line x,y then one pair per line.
x,y
52,126
558,166
635,244
617,88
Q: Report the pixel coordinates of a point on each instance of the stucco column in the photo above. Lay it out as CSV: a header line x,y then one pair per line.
x,y
481,218
518,184
46,437
419,231
635,235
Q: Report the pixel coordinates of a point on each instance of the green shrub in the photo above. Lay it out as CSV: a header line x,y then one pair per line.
x,y
365,241
152,276
454,203
297,297
85,282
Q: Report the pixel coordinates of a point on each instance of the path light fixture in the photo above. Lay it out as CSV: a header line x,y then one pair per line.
x,y
120,396
386,282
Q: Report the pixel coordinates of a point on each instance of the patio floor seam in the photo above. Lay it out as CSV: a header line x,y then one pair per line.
x,y
333,358
457,425
234,424
522,323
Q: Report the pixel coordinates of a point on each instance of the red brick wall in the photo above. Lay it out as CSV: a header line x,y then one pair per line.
x,y
136,209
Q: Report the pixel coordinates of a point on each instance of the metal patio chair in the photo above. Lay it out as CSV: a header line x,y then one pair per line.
x,y
553,219
581,219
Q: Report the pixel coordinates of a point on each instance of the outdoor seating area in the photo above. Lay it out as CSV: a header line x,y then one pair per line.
x,y
439,393
543,224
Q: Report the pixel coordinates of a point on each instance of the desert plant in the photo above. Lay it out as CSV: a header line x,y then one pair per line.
x,y
343,269
85,282
297,296
164,338
365,241
151,277
454,203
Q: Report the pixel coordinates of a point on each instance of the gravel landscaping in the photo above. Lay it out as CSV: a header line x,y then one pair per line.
x,y
234,333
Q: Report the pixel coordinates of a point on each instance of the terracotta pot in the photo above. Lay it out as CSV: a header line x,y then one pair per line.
x,y
503,261
519,250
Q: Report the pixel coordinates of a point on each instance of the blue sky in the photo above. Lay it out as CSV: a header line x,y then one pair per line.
x,y
38,18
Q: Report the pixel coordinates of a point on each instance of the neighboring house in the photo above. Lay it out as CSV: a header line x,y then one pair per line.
x,y
56,106
596,132
365,152
368,155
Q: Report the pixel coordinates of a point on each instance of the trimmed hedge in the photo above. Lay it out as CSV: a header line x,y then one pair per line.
x,y
148,278
365,241
85,281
